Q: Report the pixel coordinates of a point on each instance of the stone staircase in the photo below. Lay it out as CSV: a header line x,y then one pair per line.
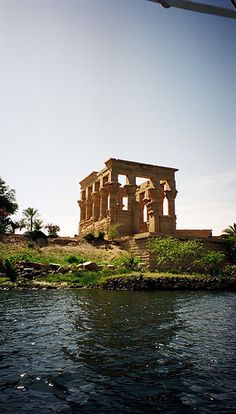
x,y
139,248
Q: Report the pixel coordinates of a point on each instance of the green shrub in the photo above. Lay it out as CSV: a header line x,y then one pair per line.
x,y
101,236
211,262
126,261
52,229
231,247
35,235
174,255
230,271
89,237
113,232
10,270
189,256
2,228
74,259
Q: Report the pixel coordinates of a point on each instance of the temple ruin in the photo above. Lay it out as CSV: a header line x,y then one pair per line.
x,y
136,197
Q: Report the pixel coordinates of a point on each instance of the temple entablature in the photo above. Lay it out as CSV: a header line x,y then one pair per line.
x,y
138,197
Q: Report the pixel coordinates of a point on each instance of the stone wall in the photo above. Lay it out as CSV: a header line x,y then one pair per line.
x,y
204,233
175,282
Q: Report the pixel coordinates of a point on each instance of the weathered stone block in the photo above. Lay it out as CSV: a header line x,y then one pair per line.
x,y
90,266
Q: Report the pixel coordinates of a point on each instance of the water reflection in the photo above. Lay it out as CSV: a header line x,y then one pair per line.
x,y
127,349
116,352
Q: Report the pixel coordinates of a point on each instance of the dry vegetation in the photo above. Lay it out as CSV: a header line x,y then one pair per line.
x,y
102,253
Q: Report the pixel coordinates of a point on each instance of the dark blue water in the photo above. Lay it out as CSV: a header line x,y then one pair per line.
x,y
90,351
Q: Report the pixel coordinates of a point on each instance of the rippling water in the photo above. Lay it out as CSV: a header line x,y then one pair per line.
x,y
93,351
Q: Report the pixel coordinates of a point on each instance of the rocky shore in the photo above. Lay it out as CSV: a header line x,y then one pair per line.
x,y
136,283
32,275
142,282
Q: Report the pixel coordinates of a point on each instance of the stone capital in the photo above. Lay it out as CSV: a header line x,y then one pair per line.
x,y
112,187
130,188
171,194
81,203
95,195
103,191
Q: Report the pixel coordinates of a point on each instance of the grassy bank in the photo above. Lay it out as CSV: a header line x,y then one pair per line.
x,y
64,255
68,257
114,270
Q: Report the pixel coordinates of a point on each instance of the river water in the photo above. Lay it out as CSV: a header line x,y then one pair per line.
x,y
95,351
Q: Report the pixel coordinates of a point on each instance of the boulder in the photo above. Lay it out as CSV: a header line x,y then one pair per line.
x,y
90,266
54,266
80,266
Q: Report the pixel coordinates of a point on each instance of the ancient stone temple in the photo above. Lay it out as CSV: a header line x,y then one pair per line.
x,y
138,197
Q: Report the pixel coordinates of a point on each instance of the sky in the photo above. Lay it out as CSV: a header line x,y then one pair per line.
x,y
82,81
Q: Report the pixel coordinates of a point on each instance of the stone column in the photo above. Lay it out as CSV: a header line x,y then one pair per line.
x,y
119,200
96,205
113,188
82,209
89,203
141,205
131,179
154,202
113,176
170,195
103,202
133,206
161,200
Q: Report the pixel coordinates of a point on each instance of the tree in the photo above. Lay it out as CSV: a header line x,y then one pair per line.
x,y
52,230
7,198
31,219
14,225
229,232
8,206
4,220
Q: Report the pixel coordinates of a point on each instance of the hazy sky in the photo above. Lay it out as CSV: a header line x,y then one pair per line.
x,y
82,81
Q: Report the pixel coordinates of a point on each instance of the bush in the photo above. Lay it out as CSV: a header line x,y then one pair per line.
x,y
2,228
4,220
36,234
113,232
89,237
127,261
211,262
230,271
10,270
189,256
52,229
231,247
74,259
38,237
174,255
101,236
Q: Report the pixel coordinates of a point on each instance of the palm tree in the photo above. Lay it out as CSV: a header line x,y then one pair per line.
x,y
230,232
229,235
30,219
